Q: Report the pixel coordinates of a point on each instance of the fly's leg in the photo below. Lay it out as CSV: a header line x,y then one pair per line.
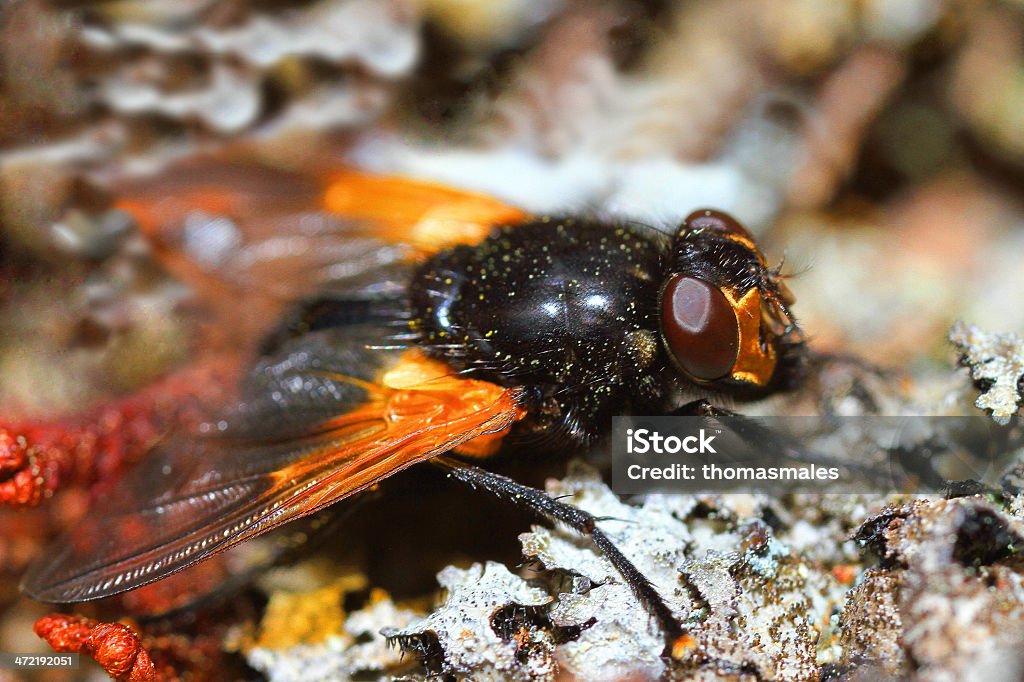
x,y
750,430
582,522
781,445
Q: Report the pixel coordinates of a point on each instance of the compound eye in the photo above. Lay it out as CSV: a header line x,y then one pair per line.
x,y
700,327
710,219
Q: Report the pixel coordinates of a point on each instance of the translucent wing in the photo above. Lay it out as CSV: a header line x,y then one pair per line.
x,y
427,215
266,465
269,231
233,230
303,436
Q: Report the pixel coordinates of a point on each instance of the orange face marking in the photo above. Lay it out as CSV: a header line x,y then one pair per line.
x,y
755,363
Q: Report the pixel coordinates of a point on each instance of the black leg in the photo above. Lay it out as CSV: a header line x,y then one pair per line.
x,y
582,522
752,431
783,446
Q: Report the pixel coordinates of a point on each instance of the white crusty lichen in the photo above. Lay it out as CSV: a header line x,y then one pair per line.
x,y
996,363
477,629
749,605
357,651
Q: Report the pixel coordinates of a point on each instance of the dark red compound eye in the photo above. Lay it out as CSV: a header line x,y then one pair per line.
x,y
700,327
711,219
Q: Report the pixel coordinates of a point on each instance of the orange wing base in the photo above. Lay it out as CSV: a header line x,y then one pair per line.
x,y
429,216
418,410
262,205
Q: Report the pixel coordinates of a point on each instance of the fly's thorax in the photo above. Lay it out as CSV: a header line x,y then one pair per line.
x,y
566,304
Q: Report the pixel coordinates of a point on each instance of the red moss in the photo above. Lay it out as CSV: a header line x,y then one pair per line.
x,y
38,458
114,646
20,484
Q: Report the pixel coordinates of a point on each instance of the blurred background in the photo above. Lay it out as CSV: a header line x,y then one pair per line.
x,y
877,146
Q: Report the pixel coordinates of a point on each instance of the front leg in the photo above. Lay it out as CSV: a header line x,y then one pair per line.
x,y
582,522
749,429
779,444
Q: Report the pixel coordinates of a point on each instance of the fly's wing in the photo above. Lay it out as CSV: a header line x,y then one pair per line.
x,y
260,230
302,437
427,215
271,464
232,230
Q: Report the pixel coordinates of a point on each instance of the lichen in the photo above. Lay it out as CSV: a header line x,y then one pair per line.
x,y
749,604
946,600
352,649
996,364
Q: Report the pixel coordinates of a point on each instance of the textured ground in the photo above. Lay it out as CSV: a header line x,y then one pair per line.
x,y
878,146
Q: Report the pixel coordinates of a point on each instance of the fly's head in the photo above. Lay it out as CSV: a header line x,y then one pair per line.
x,y
724,312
